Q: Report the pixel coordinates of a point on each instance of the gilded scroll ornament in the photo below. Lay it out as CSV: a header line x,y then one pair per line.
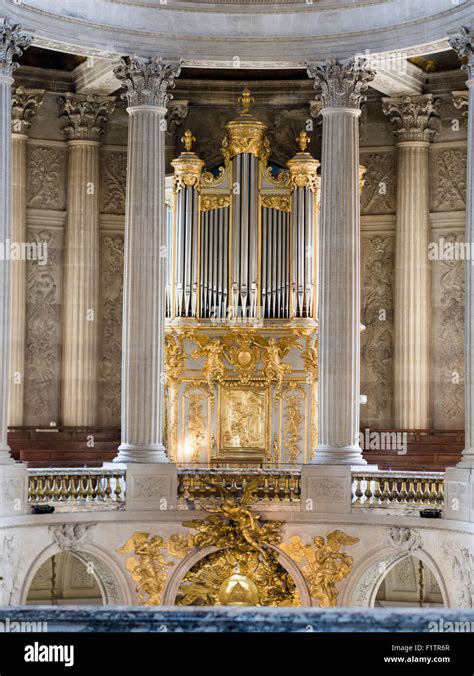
x,y
148,565
323,564
188,166
280,202
175,357
294,421
209,202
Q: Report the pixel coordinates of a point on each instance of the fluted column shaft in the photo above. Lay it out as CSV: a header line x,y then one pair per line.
x,y
463,44
339,290
415,119
18,280
81,287
144,289
5,264
411,394
341,86
12,44
84,118
146,251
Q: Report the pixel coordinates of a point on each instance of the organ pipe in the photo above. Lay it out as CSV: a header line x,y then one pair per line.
x,y
304,182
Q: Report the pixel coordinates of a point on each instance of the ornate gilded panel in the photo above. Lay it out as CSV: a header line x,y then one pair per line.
x,y
244,422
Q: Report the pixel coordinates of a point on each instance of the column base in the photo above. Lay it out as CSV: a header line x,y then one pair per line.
x,y
338,455
151,487
467,459
129,453
14,490
5,456
459,494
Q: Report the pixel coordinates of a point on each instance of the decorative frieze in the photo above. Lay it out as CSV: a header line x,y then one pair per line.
x,y
114,181
379,190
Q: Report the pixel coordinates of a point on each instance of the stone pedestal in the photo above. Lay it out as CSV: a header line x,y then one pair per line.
x,y
146,252
459,494
85,117
326,489
13,490
151,487
413,117
341,88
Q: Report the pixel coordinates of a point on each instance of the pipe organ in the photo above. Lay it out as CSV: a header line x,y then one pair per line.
x,y
241,336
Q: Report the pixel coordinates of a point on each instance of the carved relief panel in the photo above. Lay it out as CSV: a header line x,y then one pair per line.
x,y
46,176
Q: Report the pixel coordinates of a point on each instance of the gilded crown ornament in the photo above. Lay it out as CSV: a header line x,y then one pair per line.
x,y
303,167
188,166
12,43
246,134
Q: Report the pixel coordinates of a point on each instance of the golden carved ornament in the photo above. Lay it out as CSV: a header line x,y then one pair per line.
x,y
281,180
245,570
188,139
187,167
209,180
323,564
209,202
362,173
213,350
175,357
148,565
294,419
302,141
246,99
280,202
303,171
246,135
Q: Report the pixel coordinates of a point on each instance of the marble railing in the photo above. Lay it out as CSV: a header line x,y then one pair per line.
x,y
100,488
397,489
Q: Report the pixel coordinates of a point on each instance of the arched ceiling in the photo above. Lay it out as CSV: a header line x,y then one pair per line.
x,y
226,33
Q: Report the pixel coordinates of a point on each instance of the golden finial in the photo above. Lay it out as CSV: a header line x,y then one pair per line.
x,y
246,100
188,139
302,140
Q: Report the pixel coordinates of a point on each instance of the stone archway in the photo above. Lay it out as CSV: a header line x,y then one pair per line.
x,y
108,575
198,555
369,573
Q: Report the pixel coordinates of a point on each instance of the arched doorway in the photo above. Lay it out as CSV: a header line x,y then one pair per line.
x,y
410,583
65,579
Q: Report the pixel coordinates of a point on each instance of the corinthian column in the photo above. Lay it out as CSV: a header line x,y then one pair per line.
x,y
341,87
12,44
84,118
463,44
413,117
25,103
146,82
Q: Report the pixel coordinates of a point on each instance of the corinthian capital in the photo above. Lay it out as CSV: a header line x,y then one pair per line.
x,y
340,85
85,116
146,81
25,103
416,118
12,43
463,44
